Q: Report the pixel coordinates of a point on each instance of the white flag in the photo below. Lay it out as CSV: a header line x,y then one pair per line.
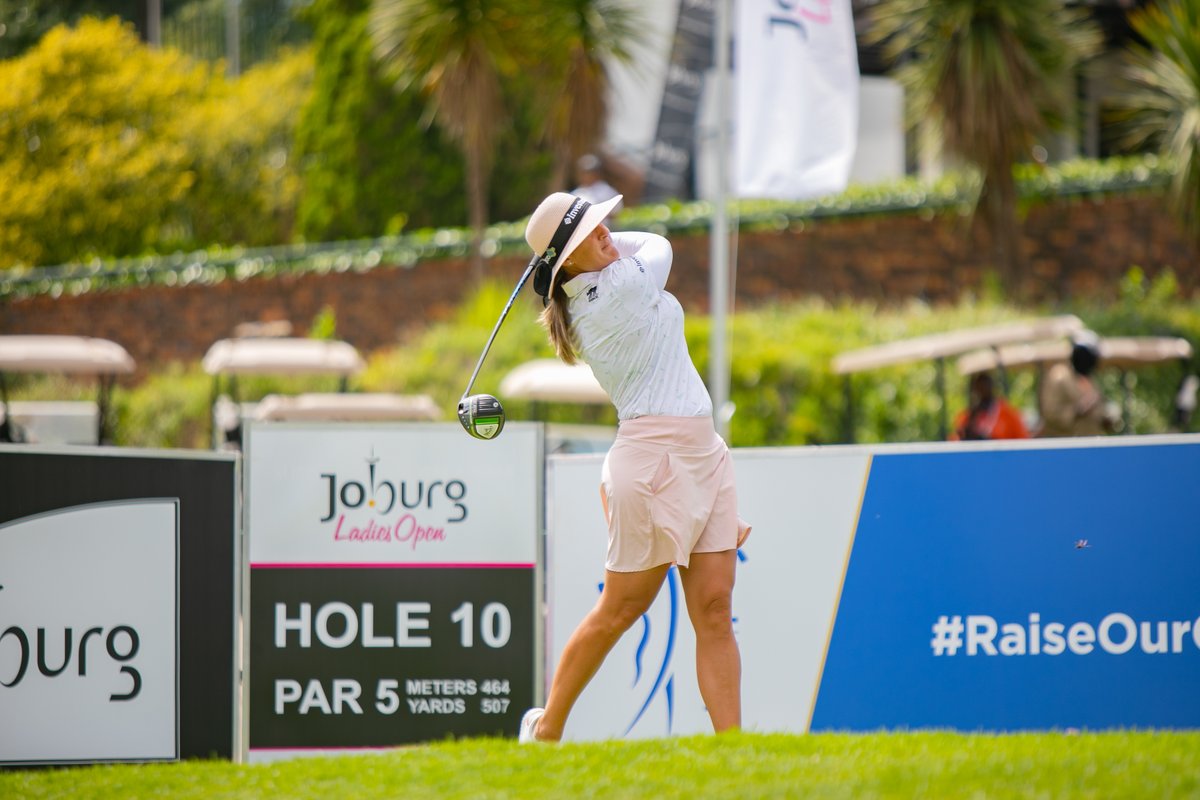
x,y
796,72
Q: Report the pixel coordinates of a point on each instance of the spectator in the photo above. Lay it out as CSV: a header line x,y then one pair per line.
x,y
987,416
1072,405
1185,403
592,186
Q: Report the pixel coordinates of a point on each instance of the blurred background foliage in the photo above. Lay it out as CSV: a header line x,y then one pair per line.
x,y
102,162
112,148
370,160
121,148
782,385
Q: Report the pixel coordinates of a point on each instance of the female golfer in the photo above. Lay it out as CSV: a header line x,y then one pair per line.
x,y
667,486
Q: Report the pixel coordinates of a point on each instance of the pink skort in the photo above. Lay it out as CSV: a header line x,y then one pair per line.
x,y
668,491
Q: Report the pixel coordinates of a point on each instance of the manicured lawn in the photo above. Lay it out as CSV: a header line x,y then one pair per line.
x,y
926,764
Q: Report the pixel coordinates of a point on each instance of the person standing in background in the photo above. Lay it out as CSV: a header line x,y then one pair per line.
x,y
1072,404
589,171
988,416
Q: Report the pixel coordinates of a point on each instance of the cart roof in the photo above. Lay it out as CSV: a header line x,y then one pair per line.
x,y
1123,352
953,343
550,380
347,407
80,355
287,356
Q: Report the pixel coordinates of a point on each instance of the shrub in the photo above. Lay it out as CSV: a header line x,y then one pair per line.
x,y
92,163
239,137
781,380
111,148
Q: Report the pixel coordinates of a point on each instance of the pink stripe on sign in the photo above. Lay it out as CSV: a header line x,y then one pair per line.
x,y
401,565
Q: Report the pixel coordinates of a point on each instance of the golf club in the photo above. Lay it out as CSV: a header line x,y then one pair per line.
x,y
481,415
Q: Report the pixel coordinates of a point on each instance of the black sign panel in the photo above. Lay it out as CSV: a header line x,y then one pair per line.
x,y
33,481
369,657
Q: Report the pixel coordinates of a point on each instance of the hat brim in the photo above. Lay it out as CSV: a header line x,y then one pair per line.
x,y
595,214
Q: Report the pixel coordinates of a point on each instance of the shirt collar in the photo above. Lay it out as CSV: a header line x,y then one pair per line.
x,y
579,283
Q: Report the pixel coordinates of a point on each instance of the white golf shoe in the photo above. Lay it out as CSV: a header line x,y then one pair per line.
x,y
529,725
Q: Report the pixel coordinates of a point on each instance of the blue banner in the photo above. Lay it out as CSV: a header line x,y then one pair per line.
x,y
1022,589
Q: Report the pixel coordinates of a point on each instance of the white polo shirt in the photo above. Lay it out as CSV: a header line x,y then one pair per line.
x,y
630,331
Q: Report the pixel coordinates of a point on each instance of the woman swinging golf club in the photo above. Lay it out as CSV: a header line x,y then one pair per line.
x,y
667,486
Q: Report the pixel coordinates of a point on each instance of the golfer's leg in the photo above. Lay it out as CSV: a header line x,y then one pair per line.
x,y
625,597
708,588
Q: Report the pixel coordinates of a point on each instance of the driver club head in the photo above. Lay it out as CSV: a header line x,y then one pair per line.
x,y
481,415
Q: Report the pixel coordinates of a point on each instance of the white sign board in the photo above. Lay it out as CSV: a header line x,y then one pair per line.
x,y
885,587
802,505
88,634
393,584
391,494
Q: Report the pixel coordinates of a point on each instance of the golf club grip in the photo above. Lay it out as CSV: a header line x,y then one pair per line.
x,y
499,322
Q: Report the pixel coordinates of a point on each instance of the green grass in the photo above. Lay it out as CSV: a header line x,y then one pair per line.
x,y
902,765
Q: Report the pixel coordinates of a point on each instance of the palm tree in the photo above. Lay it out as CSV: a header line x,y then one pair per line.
x,y
1159,101
584,36
456,52
996,74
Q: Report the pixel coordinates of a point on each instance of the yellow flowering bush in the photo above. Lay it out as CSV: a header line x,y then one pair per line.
x,y
112,148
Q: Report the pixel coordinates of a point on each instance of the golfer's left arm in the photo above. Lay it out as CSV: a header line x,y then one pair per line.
x,y
650,249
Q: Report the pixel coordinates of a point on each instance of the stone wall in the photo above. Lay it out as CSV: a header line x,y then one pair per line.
x,y
1075,248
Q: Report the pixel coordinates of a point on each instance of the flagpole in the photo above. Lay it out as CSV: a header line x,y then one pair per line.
x,y
718,285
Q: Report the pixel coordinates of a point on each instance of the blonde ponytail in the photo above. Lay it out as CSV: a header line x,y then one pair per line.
x,y
557,321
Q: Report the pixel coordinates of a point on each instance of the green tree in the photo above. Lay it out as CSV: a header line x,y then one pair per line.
x,y
455,52
581,37
90,157
110,148
1159,102
24,22
240,141
995,74
369,166
201,28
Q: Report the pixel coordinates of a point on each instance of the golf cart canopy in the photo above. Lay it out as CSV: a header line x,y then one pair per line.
x,y
548,380
1122,352
60,422
938,347
551,381
76,355
954,343
347,407
285,356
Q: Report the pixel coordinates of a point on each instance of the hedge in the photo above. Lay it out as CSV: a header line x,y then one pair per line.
x,y
781,382
950,194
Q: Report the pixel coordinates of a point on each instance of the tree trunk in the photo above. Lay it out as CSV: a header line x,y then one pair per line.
x,y
999,205
562,175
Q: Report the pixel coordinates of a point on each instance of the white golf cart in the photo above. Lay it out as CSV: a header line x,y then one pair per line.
x,y
939,347
548,380
1123,353
229,358
57,421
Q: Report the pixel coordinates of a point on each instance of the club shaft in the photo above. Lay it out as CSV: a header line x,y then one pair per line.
x,y
499,322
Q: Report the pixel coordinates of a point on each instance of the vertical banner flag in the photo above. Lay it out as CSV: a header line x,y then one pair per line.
x,y
674,140
796,65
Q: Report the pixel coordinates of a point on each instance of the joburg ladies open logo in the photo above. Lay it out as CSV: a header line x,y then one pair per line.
x,y
409,511
119,638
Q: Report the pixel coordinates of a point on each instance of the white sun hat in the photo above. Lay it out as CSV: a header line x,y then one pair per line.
x,y
557,227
